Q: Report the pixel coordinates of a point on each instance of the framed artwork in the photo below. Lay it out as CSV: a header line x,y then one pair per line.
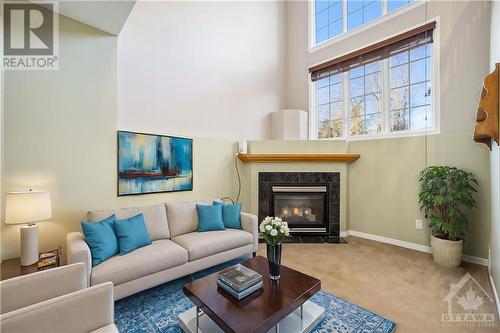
x,y
150,163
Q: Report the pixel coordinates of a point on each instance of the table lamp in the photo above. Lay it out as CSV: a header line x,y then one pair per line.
x,y
28,208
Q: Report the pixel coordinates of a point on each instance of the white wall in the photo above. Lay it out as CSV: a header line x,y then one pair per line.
x,y
205,69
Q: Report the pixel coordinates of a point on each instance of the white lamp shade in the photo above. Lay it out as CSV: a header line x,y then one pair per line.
x,y
27,207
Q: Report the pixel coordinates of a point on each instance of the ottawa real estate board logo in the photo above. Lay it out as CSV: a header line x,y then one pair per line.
x,y
469,305
30,36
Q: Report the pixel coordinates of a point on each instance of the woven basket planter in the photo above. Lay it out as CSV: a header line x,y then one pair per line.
x,y
446,252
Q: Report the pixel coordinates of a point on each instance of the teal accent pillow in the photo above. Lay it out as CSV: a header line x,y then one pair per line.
x,y
101,239
210,218
230,215
132,233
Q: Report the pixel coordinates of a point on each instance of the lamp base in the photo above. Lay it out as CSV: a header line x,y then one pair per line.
x,y
29,244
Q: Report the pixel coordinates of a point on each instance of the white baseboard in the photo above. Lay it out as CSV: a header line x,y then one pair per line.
x,y
495,295
408,245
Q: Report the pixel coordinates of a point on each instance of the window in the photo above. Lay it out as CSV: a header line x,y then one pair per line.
x,y
395,4
328,19
385,88
410,89
365,96
360,12
333,18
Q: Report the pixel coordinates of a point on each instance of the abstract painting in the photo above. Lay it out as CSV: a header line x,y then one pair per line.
x,y
149,163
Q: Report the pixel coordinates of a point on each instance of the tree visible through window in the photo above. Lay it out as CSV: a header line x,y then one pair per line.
x,y
330,107
410,89
366,99
385,87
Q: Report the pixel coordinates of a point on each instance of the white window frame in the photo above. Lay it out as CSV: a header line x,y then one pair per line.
x,y
313,46
385,119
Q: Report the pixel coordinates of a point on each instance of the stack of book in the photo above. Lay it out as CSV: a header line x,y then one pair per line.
x,y
48,259
239,281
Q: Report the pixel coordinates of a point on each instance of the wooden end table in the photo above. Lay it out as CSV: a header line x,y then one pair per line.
x,y
12,267
282,305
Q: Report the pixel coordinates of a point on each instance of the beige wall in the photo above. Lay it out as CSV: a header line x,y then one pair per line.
x,y
495,159
210,69
382,185
60,134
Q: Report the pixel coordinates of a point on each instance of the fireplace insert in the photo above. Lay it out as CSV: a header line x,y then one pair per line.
x,y
304,208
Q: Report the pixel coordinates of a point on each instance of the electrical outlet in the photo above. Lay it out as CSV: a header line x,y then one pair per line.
x,y
418,224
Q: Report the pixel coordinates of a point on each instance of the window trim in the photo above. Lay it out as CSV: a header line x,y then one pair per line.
x,y
385,133
313,46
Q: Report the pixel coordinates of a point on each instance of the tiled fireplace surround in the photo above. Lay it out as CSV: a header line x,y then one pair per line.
x,y
329,179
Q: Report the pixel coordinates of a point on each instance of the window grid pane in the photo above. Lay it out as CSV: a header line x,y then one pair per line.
x,y
410,89
360,12
328,19
365,107
329,15
330,111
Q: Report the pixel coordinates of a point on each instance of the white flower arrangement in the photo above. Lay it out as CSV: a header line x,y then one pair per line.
x,y
274,230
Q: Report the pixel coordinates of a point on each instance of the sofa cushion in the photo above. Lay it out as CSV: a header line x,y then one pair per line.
x,y
210,217
131,233
155,218
182,217
204,244
101,239
161,254
230,214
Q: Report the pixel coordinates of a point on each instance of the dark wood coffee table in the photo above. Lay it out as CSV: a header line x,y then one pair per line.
x,y
280,306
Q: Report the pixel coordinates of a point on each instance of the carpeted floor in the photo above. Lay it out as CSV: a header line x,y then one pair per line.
x,y
155,310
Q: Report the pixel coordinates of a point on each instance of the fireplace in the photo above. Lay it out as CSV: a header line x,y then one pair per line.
x,y
304,208
308,201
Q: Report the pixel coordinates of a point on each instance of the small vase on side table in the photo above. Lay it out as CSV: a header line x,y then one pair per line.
x,y
274,260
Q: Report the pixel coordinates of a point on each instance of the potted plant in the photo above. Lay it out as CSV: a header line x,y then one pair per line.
x,y
274,231
446,195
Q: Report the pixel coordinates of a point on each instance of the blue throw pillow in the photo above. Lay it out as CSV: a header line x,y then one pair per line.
x,y
210,218
230,215
101,239
132,233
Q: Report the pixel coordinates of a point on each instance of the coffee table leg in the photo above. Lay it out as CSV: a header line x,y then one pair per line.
x,y
302,312
197,318
277,328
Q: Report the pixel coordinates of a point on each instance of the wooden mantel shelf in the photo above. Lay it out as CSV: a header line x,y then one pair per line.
x,y
298,158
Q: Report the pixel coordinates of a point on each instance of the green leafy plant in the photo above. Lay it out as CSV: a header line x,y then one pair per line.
x,y
446,194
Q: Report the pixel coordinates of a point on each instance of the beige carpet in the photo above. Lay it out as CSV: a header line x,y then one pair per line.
x,y
400,284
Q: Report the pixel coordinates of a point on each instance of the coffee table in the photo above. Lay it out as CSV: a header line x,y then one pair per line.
x,y
281,305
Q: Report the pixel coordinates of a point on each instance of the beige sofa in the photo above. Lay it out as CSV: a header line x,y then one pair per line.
x,y
177,248
54,300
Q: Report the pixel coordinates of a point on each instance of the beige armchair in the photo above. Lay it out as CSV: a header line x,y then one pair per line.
x,y
56,300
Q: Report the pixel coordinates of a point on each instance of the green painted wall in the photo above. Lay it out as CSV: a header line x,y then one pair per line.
x,y
379,192
383,187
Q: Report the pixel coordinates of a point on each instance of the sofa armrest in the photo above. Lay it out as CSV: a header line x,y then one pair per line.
x,y
78,312
249,223
78,251
34,288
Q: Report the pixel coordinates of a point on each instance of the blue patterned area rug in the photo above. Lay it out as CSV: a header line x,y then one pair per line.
x,y
155,310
